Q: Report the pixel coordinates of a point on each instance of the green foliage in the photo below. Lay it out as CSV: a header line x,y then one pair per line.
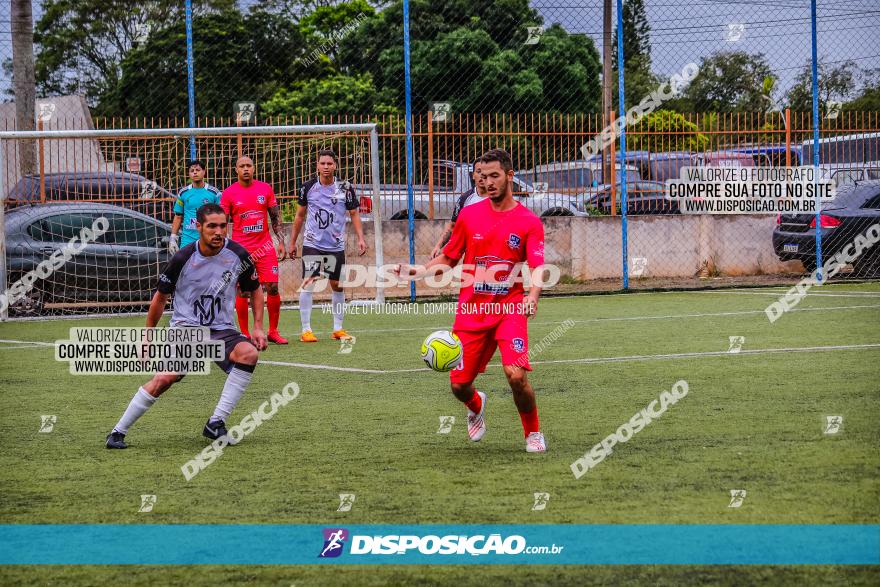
x,y
729,82
868,101
665,130
237,59
472,55
329,96
82,43
836,83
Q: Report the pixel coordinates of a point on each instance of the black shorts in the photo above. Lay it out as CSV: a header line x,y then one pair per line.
x,y
230,339
324,263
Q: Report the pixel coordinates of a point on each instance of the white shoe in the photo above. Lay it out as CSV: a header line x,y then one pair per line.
x,y
476,425
535,443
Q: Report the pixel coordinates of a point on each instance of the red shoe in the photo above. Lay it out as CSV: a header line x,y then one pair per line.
x,y
275,337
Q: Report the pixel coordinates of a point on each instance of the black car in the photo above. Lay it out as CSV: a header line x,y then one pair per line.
x,y
642,197
124,189
117,269
841,220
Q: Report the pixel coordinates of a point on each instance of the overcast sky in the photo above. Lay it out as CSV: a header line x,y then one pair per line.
x,y
684,31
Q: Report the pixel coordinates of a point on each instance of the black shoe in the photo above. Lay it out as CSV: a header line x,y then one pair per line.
x,y
116,440
214,429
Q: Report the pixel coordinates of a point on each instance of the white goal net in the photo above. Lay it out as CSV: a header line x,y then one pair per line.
x,y
85,234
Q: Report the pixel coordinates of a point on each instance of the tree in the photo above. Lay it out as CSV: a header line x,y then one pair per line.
x,y
636,36
82,43
665,130
835,84
473,55
330,96
729,82
238,59
23,80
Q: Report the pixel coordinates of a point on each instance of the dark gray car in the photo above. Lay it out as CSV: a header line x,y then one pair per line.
x,y
118,269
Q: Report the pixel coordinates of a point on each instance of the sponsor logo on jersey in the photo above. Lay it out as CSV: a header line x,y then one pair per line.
x,y
164,278
514,241
253,228
518,345
334,541
491,275
250,214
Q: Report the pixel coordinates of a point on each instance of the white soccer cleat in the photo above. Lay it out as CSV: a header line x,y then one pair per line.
x,y
476,424
535,443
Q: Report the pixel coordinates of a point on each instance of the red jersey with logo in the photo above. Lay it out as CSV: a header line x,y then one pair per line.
x,y
493,246
248,208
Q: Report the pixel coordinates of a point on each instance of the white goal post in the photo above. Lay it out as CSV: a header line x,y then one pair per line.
x,y
147,159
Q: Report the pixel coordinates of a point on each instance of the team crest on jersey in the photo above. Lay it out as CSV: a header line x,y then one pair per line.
x,y
275,270
514,241
261,199
518,345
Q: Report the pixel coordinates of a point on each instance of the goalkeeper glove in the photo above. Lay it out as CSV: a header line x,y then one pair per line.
x,y
174,244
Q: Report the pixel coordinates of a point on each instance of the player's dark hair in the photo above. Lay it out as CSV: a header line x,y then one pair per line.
x,y
327,153
195,162
207,209
498,155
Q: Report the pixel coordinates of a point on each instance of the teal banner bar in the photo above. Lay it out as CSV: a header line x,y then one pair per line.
x,y
594,544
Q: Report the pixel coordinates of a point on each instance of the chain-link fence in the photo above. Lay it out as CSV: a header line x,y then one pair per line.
x,y
706,85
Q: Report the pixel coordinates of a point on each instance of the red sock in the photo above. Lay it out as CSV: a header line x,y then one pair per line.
x,y
475,404
274,305
241,308
530,421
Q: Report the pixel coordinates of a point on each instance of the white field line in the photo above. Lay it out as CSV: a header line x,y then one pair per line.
x,y
584,321
631,318
782,292
582,361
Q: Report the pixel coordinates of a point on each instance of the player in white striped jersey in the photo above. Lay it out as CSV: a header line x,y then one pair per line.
x,y
477,193
203,277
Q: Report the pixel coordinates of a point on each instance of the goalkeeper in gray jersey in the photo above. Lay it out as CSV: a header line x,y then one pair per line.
x,y
203,277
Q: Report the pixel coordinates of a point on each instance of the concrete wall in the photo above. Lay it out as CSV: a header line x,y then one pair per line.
x,y
590,248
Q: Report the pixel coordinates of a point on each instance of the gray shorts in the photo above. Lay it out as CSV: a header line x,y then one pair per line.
x,y
231,338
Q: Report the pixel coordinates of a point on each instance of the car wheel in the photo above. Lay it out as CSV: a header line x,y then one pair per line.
x,y
32,303
403,215
557,212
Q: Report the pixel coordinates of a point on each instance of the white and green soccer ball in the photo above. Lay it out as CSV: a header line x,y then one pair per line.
x,y
442,351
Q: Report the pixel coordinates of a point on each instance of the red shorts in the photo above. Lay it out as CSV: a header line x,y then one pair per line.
x,y
510,336
265,259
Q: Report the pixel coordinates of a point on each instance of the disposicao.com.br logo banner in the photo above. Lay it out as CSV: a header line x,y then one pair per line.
x,y
567,544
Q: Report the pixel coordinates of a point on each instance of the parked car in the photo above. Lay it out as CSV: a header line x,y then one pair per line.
x,y
849,214
772,155
451,180
573,177
120,266
725,159
124,189
642,197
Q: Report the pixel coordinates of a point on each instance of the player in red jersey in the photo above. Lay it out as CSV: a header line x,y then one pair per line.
x,y
494,237
250,205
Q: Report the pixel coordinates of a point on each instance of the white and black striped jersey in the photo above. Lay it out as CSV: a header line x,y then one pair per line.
x,y
466,199
204,287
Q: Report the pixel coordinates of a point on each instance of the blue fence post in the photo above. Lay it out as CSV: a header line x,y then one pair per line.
x,y
816,123
409,148
190,75
621,120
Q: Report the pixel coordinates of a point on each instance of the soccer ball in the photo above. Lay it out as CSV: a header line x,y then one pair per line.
x,y
442,351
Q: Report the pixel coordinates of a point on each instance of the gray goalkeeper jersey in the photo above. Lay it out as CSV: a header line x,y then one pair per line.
x,y
326,213
204,287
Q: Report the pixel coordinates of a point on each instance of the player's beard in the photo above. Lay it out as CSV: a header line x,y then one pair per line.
x,y
502,192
